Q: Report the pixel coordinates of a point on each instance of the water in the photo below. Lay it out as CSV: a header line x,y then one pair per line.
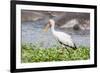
x,y
33,33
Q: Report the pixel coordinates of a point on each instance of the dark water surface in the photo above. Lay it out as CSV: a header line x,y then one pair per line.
x,y
33,33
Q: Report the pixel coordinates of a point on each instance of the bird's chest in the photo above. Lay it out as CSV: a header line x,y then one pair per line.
x,y
60,37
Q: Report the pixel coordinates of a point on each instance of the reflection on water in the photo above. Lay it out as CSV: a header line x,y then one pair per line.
x,y
33,33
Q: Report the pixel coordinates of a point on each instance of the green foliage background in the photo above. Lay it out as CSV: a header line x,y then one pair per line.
x,y
34,53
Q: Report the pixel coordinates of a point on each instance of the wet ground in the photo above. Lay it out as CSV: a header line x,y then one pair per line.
x,y
33,33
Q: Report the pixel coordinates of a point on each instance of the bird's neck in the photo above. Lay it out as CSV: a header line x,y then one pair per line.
x,y
52,28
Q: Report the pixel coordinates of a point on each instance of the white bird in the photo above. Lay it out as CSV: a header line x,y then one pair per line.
x,y
63,38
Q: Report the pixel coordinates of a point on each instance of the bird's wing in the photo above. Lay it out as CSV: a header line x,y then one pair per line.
x,y
64,38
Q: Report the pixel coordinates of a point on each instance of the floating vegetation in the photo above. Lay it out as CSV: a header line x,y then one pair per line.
x,y
35,53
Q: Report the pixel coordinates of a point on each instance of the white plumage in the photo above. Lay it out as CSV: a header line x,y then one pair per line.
x,y
62,37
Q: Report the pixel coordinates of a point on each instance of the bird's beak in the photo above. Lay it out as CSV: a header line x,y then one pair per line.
x,y
46,28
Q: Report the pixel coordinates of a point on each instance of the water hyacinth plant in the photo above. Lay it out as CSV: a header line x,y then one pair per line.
x,y
35,53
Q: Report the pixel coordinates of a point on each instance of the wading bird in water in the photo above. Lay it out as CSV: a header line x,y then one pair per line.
x,y
63,38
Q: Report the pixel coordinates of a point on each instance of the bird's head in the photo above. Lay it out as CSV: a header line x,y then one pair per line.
x,y
50,23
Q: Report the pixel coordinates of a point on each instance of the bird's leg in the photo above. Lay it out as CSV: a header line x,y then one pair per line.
x,y
63,47
68,52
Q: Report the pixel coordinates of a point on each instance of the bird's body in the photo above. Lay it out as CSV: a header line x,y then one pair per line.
x,y
63,38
